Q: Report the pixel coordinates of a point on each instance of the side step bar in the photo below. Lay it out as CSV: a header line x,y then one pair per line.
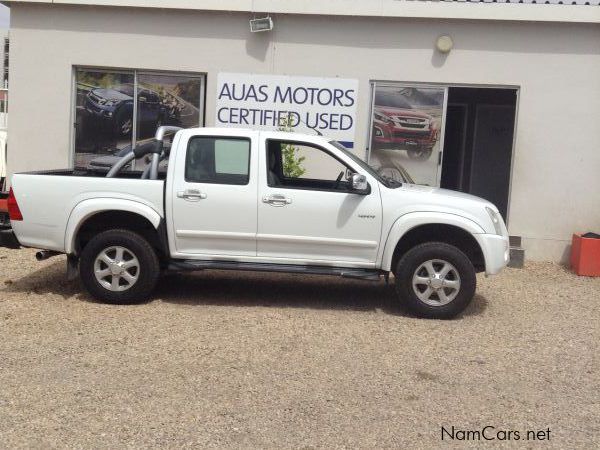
x,y
346,272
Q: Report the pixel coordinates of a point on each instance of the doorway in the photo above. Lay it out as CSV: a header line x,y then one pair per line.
x,y
478,142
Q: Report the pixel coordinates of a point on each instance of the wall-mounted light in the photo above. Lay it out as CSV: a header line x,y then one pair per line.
x,y
258,25
444,44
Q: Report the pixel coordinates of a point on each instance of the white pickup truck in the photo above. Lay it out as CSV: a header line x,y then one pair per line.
x,y
263,201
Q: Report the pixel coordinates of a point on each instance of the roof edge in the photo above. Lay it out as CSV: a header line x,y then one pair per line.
x,y
368,8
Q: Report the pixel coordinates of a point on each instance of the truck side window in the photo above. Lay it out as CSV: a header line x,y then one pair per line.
x,y
218,160
298,165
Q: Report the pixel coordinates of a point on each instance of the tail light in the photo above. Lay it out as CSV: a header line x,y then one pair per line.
x,y
14,213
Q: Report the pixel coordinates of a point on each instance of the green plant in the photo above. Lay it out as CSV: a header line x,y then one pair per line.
x,y
292,162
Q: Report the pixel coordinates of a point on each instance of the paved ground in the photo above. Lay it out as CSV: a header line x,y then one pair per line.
x,y
252,360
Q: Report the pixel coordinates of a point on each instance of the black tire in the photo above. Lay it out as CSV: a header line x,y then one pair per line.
x,y
137,246
420,154
414,259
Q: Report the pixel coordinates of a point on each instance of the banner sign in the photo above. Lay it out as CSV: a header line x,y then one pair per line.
x,y
272,102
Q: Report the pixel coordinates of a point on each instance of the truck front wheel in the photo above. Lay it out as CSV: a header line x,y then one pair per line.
x,y
119,267
123,123
420,153
435,280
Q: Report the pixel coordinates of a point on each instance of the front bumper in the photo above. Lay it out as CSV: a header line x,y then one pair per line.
x,y
8,239
101,115
495,250
391,136
105,113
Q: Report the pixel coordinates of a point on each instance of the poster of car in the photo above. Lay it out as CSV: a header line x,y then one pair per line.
x,y
406,130
165,99
106,117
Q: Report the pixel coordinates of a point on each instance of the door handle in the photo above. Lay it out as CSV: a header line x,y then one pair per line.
x,y
191,195
276,200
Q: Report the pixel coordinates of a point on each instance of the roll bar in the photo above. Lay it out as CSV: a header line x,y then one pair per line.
x,y
154,147
116,168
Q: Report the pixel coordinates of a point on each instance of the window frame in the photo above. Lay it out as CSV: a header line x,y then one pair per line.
x,y
231,138
306,144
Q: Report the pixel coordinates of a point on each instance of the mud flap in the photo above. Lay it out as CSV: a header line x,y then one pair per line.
x,y
72,267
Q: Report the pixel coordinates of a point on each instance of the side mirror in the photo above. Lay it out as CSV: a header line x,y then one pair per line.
x,y
359,184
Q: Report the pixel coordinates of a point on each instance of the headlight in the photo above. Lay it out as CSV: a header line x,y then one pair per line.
x,y
383,118
496,220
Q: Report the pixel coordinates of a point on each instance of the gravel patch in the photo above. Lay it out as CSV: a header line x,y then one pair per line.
x,y
245,360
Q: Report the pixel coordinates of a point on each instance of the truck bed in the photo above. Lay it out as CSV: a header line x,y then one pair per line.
x,y
48,198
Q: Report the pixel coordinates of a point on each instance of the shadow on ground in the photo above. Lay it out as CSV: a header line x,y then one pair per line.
x,y
243,289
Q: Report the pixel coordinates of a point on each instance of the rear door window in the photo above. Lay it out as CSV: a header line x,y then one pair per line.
x,y
218,160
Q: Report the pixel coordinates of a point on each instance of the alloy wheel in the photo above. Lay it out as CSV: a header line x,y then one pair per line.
x,y
116,268
126,127
436,282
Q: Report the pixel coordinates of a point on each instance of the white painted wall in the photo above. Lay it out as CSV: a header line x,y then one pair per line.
x,y
556,182
448,9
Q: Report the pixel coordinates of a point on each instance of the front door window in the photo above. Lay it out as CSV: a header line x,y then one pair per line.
x,y
294,165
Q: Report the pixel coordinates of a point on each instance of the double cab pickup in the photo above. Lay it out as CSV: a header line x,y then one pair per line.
x,y
236,199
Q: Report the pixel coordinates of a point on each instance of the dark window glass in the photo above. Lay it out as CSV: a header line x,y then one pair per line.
x,y
218,160
167,99
104,114
106,117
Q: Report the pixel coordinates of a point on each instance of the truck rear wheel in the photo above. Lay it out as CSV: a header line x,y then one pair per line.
x,y
119,267
435,280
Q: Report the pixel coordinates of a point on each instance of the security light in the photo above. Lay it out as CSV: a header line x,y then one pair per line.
x,y
258,25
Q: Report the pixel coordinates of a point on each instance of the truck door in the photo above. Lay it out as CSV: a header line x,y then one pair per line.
x,y
307,213
212,195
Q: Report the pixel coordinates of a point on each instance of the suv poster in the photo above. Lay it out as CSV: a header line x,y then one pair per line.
x,y
106,117
405,134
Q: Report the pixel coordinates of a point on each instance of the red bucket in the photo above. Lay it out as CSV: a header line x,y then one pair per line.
x,y
585,256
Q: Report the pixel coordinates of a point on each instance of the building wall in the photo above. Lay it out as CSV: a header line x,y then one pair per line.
x,y
555,184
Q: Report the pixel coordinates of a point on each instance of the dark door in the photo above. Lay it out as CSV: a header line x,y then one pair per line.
x,y
454,146
478,143
492,150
